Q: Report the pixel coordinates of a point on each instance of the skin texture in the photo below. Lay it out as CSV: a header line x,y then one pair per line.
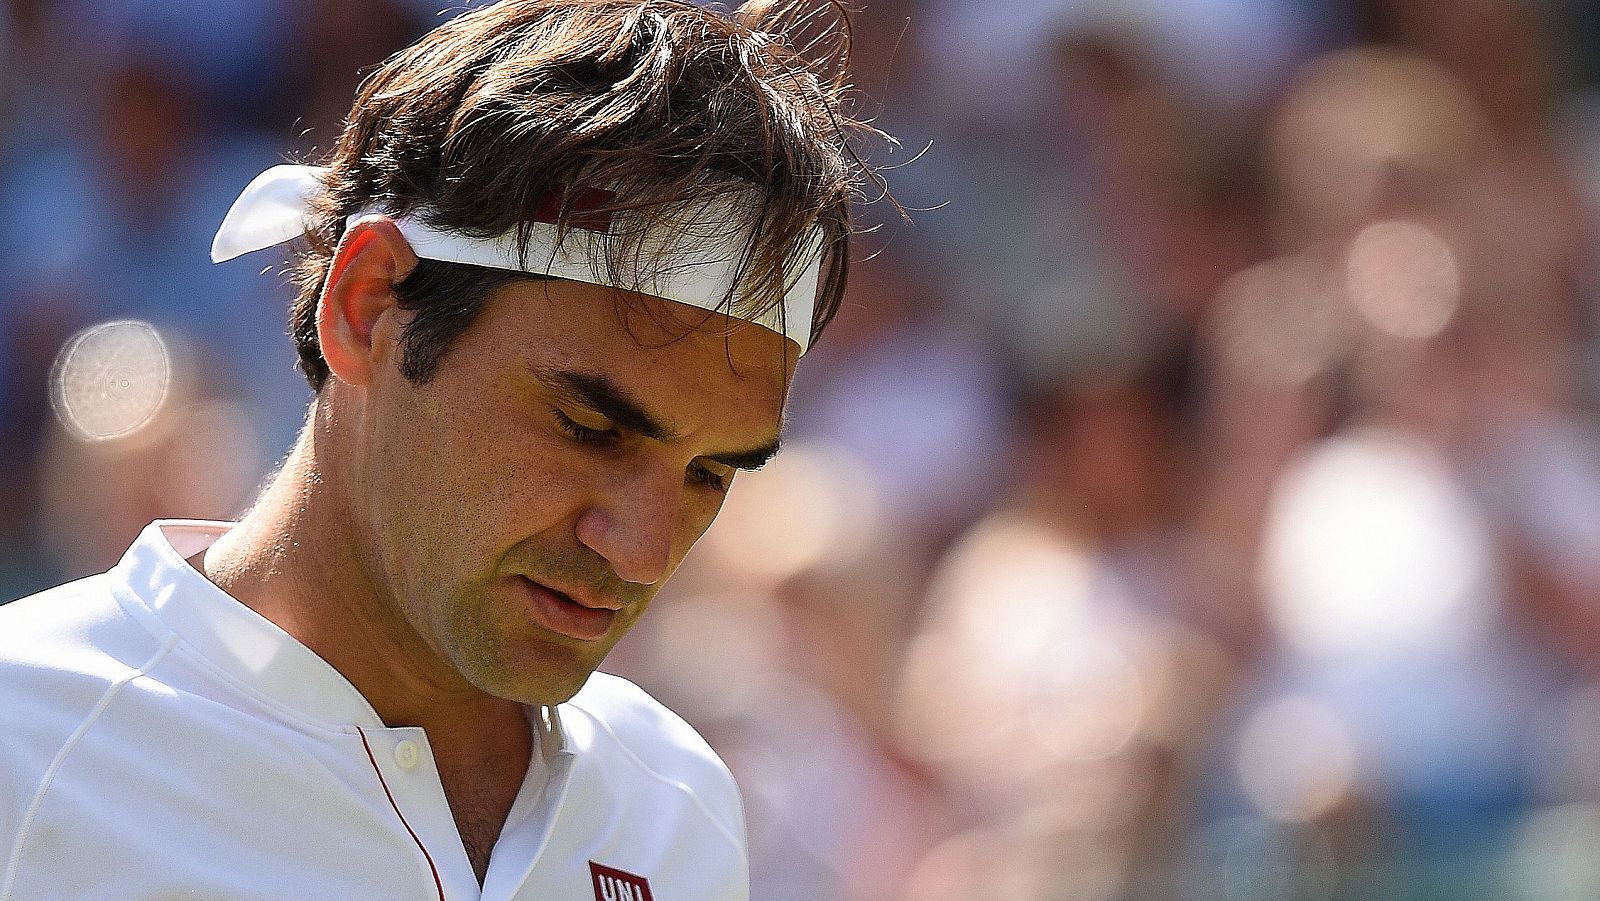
x,y
474,479
394,539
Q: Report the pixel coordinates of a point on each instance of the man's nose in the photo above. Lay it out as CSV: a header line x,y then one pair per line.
x,y
631,523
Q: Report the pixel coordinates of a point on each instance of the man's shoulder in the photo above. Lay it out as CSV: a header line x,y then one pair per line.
x,y
68,627
60,648
60,652
659,743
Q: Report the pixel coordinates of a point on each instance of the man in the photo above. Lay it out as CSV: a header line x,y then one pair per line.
x,y
560,267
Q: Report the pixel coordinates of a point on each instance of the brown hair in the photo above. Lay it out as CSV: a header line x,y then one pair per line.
x,y
483,121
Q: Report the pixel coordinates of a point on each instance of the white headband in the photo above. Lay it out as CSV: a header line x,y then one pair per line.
x,y
699,268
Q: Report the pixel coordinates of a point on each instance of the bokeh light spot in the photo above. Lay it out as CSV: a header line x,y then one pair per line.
x,y
1403,279
1296,759
110,379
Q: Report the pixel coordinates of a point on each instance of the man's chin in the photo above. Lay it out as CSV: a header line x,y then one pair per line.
x,y
547,689
547,696
527,666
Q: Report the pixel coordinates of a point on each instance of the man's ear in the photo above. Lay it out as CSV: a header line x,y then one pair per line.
x,y
356,317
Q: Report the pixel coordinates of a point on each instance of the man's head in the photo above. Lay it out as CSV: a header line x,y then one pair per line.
x,y
525,460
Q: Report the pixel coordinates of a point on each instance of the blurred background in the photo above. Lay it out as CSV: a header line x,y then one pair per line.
x,y
1200,501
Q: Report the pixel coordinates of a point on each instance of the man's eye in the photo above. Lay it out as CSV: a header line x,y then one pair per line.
x,y
583,433
699,475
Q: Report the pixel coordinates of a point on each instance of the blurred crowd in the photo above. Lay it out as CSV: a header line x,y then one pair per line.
x,y
1199,500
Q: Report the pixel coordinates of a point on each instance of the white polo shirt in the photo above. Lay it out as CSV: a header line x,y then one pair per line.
x,y
158,739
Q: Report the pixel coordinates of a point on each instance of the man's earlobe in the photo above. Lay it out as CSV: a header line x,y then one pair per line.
x,y
356,324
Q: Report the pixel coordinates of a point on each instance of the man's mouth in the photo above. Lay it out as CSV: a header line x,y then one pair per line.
x,y
559,613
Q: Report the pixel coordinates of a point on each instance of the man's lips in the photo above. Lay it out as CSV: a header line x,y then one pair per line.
x,y
561,614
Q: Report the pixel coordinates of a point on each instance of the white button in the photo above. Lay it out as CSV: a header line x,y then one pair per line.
x,y
407,754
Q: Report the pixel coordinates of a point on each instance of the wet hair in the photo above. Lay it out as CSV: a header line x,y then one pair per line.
x,y
505,113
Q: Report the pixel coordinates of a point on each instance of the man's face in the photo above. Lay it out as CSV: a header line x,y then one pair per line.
x,y
519,510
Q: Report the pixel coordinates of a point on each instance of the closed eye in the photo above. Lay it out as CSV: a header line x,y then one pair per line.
x,y
582,433
697,474
700,475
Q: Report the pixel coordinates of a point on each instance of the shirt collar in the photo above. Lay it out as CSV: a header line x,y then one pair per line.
x,y
250,649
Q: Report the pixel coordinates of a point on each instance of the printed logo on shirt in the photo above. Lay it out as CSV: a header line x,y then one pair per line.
x,y
615,885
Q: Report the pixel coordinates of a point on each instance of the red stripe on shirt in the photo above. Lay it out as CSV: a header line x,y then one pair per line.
x,y
437,882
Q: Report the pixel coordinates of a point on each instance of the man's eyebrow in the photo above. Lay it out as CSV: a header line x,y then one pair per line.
x,y
603,396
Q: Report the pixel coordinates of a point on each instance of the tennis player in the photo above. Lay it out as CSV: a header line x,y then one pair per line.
x,y
554,280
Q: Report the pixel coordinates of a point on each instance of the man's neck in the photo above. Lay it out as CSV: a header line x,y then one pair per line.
x,y
295,560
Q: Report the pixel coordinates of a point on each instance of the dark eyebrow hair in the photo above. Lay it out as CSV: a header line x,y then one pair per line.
x,y
605,397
